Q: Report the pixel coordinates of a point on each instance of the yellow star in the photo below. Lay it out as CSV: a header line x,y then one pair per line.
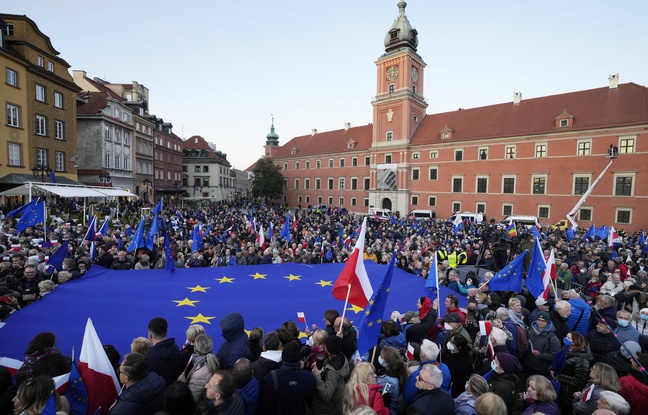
x,y
379,321
247,332
258,276
225,279
355,309
200,319
371,302
186,301
370,324
293,277
324,283
388,288
198,288
367,312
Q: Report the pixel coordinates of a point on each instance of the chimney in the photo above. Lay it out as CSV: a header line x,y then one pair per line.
x,y
313,131
614,81
347,125
517,97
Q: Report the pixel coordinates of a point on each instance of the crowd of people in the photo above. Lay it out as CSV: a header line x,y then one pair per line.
x,y
581,350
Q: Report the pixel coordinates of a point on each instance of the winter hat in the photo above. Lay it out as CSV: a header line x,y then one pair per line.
x,y
333,344
632,346
544,316
452,318
291,353
540,302
508,363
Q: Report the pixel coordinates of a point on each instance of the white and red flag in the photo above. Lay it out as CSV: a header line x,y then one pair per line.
x,y
485,330
301,317
354,278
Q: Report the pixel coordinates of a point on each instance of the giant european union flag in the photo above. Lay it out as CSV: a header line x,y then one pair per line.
x,y
121,303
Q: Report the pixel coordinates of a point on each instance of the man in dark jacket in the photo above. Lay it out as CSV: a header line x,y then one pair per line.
x,y
430,397
237,344
270,358
349,337
602,341
164,356
559,316
289,390
104,258
143,390
221,391
247,386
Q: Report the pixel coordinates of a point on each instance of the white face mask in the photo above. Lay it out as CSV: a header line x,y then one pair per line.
x,y
447,326
451,347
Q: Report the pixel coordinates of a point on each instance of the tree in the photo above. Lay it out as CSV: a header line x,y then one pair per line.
x,y
268,180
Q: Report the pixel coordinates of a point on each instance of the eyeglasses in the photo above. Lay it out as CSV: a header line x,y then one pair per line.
x,y
420,379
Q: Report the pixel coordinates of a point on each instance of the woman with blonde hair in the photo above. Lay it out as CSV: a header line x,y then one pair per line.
x,y
540,397
140,345
33,395
602,377
203,365
362,389
475,387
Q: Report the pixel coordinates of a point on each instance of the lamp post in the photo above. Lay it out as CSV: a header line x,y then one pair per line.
x,y
147,184
105,178
43,171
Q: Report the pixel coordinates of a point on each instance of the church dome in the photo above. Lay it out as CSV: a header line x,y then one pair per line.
x,y
401,34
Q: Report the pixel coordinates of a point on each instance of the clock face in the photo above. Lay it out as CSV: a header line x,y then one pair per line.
x,y
414,74
392,73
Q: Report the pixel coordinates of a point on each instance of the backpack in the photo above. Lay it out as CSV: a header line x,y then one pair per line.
x,y
522,340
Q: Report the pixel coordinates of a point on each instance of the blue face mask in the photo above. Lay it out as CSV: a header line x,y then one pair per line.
x,y
381,362
623,323
493,366
644,317
567,342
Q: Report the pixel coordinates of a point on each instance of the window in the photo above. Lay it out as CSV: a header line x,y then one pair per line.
x,y
431,200
285,166
367,161
307,184
296,165
354,184
40,93
416,156
434,173
457,184
59,130
12,77
543,212
307,165
458,155
564,123
365,202
341,201
107,134
623,216
58,100
117,162
482,185
296,184
50,66
330,165
390,135
388,158
483,154
481,207
319,200
330,186
330,200
414,200
59,157
14,154
434,154
40,61
41,125
581,184
205,169
342,162
507,209
456,206
585,214
584,148
626,146
299,198
508,185
354,201
367,183
196,169
623,186
318,164
107,161
392,88
415,174
354,161
9,30
539,185
541,150
13,116
341,182
318,184
509,152
41,157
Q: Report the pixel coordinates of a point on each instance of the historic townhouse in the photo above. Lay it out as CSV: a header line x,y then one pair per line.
x,y
528,157
207,174
167,155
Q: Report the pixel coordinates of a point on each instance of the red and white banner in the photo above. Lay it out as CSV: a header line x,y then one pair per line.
x,y
354,274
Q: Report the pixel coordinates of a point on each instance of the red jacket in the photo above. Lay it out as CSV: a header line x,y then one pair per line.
x,y
376,400
636,393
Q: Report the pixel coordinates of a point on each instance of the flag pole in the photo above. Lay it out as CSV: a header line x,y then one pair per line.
x,y
44,221
346,301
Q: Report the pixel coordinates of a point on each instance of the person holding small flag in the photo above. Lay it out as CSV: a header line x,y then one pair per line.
x,y
602,377
38,396
575,375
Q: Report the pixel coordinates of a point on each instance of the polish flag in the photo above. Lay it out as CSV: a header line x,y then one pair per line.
x,y
551,265
354,275
260,238
11,364
301,317
61,382
588,393
97,372
613,237
410,352
484,330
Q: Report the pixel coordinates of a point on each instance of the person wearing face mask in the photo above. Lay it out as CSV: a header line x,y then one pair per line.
x,y
634,386
475,387
459,363
625,331
641,322
559,316
575,375
452,326
504,381
620,359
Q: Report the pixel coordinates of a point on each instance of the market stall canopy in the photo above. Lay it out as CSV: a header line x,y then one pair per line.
x,y
63,190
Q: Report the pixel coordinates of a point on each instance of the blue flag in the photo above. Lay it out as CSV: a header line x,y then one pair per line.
x,y
393,220
158,208
152,232
432,279
104,229
52,177
370,322
285,231
138,238
58,256
90,234
642,238
120,244
30,217
591,233
559,361
509,278
76,393
328,255
50,407
21,209
535,232
197,239
570,234
270,232
535,273
169,264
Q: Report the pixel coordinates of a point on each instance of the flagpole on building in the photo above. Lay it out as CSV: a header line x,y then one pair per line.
x,y
344,309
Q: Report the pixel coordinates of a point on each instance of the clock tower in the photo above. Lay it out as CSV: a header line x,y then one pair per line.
x,y
398,109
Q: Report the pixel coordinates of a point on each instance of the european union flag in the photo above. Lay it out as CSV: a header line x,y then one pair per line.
x,y
328,255
285,231
509,278
197,239
158,208
591,233
152,232
76,393
52,177
535,273
372,317
23,208
270,232
169,264
50,407
642,238
138,238
58,256
393,220
570,234
31,216
340,231
535,232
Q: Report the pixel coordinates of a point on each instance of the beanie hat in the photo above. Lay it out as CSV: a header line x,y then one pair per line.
x,y
333,344
508,363
291,353
632,346
544,316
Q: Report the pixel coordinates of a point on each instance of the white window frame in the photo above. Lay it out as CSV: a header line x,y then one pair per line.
x,y
580,175
623,149
564,123
296,184
504,206
342,183
479,153
117,161
416,171
430,200
107,160
330,200
633,175
59,161
430,171
591,209
59,130
40,61
365,202
12,77
546,150
40,93
542,206
354,201
459,150
452,180
616,215
41,125
434,154
416,156
477,204
341,201
539,176
14,155
512,153
587,152
13,115
477,184
50,66
41,157
389,135
509,176
458,204
414,200
58,99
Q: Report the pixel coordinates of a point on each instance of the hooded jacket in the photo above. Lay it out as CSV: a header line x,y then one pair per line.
x,y
546,343
142,398
329,386
635,392
465,404
237,344
505,386
165,360
574,376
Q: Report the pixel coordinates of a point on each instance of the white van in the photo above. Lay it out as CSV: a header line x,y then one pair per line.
x,y
524,220
468,216
380,214
422,215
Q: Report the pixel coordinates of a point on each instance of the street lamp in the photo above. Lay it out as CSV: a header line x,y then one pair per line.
x,y
43,171
105,178
147,184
